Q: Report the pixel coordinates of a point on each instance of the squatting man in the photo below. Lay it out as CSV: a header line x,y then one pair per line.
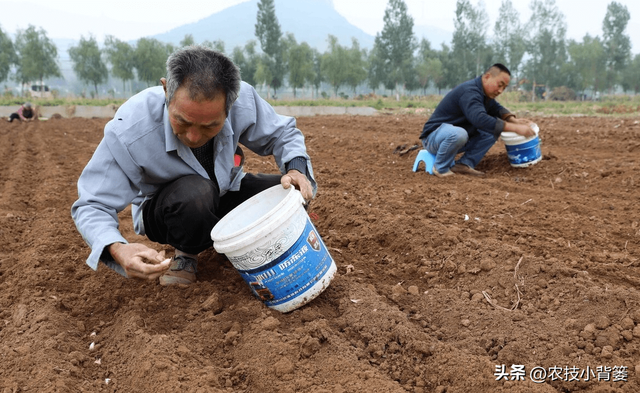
x,y
172,153
469,120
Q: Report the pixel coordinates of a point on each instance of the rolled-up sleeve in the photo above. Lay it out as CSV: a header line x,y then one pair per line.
x,y
500,112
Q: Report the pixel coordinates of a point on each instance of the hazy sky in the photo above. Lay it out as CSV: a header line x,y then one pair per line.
x,y
132,19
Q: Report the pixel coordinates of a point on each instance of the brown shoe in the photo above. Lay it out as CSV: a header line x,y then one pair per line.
x,y
443,174
181,271
467,170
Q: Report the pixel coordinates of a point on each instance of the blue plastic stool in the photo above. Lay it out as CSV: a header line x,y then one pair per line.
x,y
428,159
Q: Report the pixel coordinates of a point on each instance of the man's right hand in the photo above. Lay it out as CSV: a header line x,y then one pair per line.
x,y
139,261
520,129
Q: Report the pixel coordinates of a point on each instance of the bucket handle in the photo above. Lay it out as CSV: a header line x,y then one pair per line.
x,y
299,196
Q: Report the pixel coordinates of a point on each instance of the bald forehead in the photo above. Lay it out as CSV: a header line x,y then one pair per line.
x,y
499,76
495,71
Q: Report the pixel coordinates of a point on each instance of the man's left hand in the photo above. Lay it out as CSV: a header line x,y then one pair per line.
x,y
300,182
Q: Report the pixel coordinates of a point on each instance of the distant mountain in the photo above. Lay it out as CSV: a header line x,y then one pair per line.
x,y
310,21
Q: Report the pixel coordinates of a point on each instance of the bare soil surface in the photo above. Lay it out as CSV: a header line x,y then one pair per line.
x,y
542,278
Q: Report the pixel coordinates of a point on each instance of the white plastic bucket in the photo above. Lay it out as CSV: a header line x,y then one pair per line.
x,y
272,243
522,151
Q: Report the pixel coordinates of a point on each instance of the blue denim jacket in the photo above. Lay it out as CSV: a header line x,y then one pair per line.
x,y
139,154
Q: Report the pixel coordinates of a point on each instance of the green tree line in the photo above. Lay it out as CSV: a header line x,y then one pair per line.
x,y
541,58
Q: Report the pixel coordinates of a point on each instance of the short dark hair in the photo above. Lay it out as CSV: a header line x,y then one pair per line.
x,y
204,72
497,68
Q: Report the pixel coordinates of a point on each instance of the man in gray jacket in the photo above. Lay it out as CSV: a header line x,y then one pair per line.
x,y
172,152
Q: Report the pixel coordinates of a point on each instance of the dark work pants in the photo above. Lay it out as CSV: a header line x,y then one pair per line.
x,y
183,213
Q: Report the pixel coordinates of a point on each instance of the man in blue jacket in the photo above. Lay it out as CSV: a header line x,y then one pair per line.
x,y
470,120
171,152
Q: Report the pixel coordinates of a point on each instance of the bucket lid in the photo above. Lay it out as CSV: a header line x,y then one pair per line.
x,y
515,138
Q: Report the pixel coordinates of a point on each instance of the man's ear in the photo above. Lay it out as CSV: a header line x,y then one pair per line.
x,y
164,87
164,84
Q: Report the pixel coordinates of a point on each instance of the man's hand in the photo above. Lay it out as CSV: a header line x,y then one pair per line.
x,y
521,121
139,261
519,128
299,181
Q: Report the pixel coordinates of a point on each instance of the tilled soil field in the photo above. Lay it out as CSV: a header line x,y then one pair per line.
x,y
526,280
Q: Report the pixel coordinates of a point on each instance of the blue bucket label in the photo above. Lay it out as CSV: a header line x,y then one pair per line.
x,y
292,273
524,152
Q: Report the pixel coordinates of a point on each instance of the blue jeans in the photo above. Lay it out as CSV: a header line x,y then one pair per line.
x,y
447,141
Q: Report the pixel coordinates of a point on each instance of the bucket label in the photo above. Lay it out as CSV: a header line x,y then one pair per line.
x,y
272,248
525,153
292,273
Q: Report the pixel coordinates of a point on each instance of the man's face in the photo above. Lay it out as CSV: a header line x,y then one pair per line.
x,y
196,122
494,85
